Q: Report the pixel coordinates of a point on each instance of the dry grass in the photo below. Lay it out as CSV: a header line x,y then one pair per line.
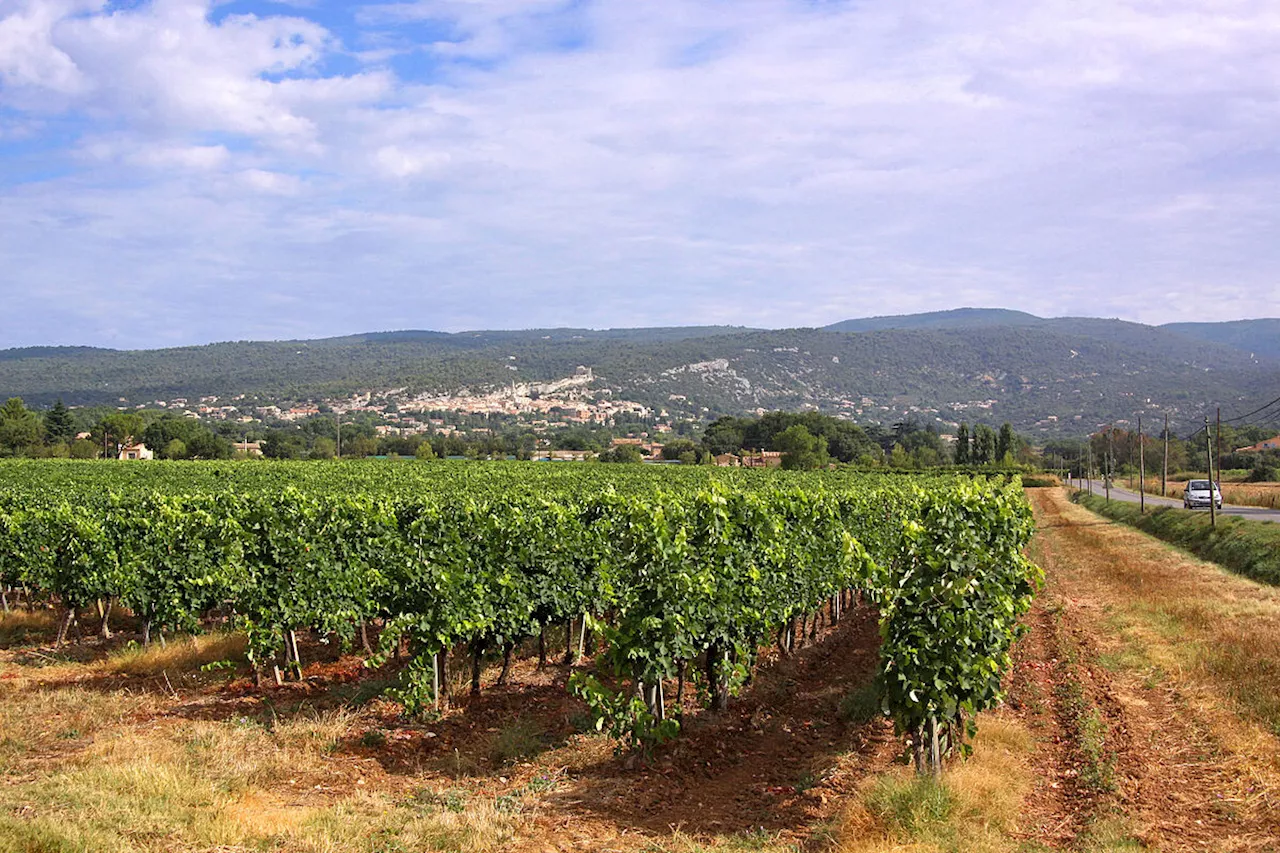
x,y
39,720
1212,635
975,807
760,841
1187,616
203,785
1252,494
182,654
1241,494
23,627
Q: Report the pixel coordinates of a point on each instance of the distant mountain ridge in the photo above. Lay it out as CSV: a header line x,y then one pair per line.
x,y
1261,337
956,318
1049,375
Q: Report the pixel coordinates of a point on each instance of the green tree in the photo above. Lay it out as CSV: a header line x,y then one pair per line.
x,y
60,424
673,450
424,452
193,437
359,447
19,427
1006,442
83,448
801,449
984,445
280,444
925,456
963,453
724,435
116,430
323,448
627,453
206,445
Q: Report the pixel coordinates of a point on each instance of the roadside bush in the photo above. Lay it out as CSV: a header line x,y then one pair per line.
x,y
1263,471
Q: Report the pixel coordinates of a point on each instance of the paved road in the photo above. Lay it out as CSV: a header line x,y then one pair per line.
x,y
1256,513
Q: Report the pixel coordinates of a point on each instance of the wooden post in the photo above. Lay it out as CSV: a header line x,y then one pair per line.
x,y
1164,471
506,663
66,624
444,674
435,680
680,691
1106,477
297,656
935,750
1218,442
1208,460
1142,471
477,654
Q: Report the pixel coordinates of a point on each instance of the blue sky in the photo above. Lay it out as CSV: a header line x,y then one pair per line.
x,y
178,172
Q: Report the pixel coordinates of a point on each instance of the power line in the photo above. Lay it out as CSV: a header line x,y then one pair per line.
x,y
1254,412
1239,418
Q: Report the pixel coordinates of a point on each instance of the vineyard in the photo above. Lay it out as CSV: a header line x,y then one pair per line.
x,y
680,576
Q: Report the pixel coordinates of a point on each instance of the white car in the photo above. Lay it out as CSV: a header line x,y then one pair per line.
x,y
1197,495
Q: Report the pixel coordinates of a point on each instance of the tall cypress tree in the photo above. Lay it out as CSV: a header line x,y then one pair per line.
x,y
1005,442
984,445
962,454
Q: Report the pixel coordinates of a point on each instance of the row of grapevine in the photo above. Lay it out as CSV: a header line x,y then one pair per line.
x,y
694,571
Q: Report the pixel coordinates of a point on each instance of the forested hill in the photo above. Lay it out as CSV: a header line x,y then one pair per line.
x,y
1256,336
1059,374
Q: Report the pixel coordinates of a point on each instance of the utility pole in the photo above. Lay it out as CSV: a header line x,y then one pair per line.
x,y
1089,467
1219,442
1142,471
1208,460
1164,471
1106,479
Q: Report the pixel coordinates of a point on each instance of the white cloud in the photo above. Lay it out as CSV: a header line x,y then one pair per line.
x,y
773,162
29,59
271,182
162,156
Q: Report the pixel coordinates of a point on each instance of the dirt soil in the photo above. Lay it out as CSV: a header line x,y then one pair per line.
x,y
1176,782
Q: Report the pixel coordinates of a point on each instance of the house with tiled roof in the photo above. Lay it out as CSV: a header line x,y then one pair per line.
x,y
1269,444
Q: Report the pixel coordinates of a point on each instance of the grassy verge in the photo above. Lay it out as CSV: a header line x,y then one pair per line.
x,y
975,807
1249,548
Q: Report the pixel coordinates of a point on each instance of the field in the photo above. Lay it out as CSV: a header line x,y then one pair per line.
x,y
1136,715
1241,494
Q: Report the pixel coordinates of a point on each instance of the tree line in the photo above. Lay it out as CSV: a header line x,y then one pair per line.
x,y
814,440
806,440
1121,450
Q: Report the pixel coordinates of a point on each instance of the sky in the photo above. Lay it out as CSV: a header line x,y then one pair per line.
x,y
178,172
